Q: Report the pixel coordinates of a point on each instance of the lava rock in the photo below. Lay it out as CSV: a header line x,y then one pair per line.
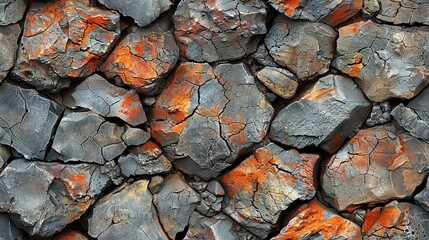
x,y
280,81
11,11
9,45
325,116
205,118
216,30
108,100
304,47
30,120
8,230
265,184
398,11
387,61
144,57
377,165
45,197
64,39
380,114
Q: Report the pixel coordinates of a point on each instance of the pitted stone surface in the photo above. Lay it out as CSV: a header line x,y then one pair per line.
x,y
387,61
11,11
280,81
265,184
9,45
325,116
380,114
398,11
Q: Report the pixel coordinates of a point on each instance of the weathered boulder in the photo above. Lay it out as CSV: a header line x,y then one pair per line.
x,y
11,11
280,81
9,45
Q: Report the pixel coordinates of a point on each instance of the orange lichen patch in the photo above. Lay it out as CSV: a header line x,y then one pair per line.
x,y
379,219
350,29
318,94
341,14
289,6
77,185
130,107
357,66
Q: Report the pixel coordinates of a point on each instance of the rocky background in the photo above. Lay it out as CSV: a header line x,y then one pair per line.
x,y
214,119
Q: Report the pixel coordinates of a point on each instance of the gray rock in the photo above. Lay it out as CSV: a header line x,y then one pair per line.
x,y
30,120
4,155
135,136
45,197
423,197
263,57
304,47
211,197
8,230
11,11
280,81
113,171
210,31
380,114
398,11
325,116
9,45
156,183
386,61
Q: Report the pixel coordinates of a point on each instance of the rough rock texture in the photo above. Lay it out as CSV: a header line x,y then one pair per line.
x,y
380,114
265,184
11,11
422,198
387,61
330,12
304,47
142,11
218,115
64,39
175,202
315,221
398,11
144,57
396,221
44,197
212,196
27,120
8,230
126,213
263,57
215,30
377,165
108,100
324,116
280,81
9,45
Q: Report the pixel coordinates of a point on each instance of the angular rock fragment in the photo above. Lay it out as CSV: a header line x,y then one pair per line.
x,y
9,45
205,118
11,11
315,221
380,114
211,197
265,184
175,202
71,235
325,116
387,61
263,57
4,155
45,197
8,230
127,213
280,81
216,30
62,40
108,100
144,57
330,12
112,170
304,47
142,11
28,120
377,165
396,221
398,11
135,136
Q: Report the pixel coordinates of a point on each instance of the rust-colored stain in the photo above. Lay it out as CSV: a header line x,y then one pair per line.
x,y
340,15
357,66
289,6
350,29
318,94
130,108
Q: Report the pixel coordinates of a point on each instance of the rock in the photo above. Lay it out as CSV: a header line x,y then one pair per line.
x,y
9,36
71,235
45,197
314,221
325,116
219,227
156,183
146,159
330,12
30,121
263,57
113,171
126,213
63,40
144,57
422,198
4,155
377,165
8,230
175,203
396,221
11,11
217,30
280,81
398,11
387,61
135,136
265,184
108,100
304,47
218,116
142,11
380,114
212,196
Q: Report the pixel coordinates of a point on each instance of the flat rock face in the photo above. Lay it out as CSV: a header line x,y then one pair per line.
x,y
8,230
315,221
142,11
205,118
304,47
280,81
387,61
11,11
127,213
377,165
45,197
9,45
216,30
64,39
108,100
398,11
144,57
396,221
265,184
330,12
28,120
324,116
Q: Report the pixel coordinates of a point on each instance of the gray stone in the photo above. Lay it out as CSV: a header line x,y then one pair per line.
x,y
380,114
212,196
422,198
4,155
263,57
9,45
135,136
280,81
11,11
156,183
398,11
113,171
8,230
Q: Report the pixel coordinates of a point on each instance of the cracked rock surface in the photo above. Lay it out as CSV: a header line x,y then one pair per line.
x,y
11,11
9,45
398,11
380,114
